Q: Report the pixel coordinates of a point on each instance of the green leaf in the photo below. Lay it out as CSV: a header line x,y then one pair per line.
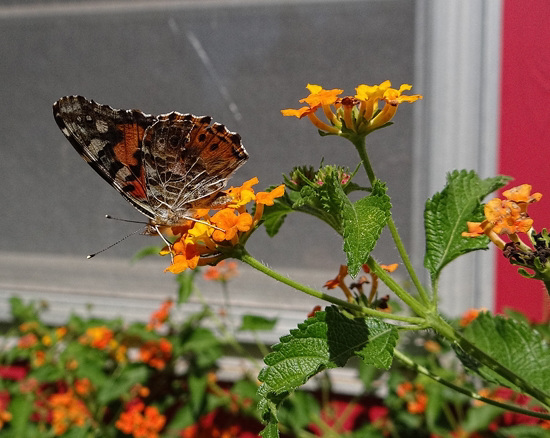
x,y
186,281
274,216
363,222
515,345
326,340
21,408
382,340
122,384
299,410
255,322
446,214
145,252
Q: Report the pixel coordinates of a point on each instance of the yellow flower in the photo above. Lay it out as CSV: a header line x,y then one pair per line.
x,y
359,114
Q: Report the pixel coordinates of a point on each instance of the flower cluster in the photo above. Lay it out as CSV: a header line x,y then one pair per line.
x,y
414,395
67,410
160,316
371,301
204,241
372,107
156,353
141,421
509,216
102,338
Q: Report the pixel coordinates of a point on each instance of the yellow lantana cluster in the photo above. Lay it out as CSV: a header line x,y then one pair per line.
x,y
359,114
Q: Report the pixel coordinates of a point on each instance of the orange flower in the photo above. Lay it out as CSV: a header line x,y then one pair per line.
x,y
338,281
207,242
470,315
320,96
83,386
27,341
186,255
522,194
242,195
156,353
268,198
223,271
67,411
141,421
505,216
230,221
97,337
39,358
5,417
432,346
160,316
414,396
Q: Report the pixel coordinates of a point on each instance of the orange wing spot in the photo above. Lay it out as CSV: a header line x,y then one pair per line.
x,y
125,150
136,190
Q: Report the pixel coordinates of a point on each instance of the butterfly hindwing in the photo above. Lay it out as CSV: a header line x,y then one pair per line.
x,y
110,141
187,161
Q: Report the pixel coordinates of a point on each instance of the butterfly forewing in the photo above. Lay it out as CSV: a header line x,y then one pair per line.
x,y
110,141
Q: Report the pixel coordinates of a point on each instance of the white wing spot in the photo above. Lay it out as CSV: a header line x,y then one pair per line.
x,y
101,126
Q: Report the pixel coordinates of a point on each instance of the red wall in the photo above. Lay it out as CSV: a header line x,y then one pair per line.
x,y
525,134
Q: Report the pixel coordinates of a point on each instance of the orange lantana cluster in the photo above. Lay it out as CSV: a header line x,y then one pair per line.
x,y
141,421
156,353
204,240
338,281
414,395
507,216
160,316
102,338
67,410
359,114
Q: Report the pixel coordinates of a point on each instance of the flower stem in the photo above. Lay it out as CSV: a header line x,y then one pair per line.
x,y
359,143
419,368
245,257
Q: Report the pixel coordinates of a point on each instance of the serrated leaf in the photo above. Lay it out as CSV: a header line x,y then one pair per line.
x,y
255,322
327,340
446,214
381,343
513,344
274,216
363,222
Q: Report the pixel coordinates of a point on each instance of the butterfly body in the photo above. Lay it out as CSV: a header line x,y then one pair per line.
x,y
165,166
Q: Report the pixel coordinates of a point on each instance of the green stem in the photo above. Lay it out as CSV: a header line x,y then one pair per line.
x,y
383,275
411,364
360,146
245,257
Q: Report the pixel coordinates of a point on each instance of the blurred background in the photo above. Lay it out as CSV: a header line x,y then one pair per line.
x,y
240,62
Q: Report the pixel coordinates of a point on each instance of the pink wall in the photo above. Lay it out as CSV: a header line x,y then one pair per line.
x,y
525,134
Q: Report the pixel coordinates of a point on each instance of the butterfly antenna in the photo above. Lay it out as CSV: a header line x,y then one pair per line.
x,y
117,242
108,216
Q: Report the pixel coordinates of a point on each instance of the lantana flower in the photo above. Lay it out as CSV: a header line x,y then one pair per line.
x,y
509,217
353,115
209,238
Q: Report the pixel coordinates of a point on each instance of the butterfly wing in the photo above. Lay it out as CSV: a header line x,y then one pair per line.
x,y
188,161
110,140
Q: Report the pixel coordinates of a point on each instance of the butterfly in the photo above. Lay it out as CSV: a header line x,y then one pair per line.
x,y
165,166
